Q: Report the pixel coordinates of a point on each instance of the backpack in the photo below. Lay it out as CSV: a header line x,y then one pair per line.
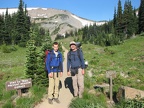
x,y
46,53
78,53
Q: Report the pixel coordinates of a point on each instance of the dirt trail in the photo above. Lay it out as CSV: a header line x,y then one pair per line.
x,y
65,95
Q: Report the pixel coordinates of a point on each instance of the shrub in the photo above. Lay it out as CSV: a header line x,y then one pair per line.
x,y
94,60
108,51
5,49
22,44
13,48
142,34
134,103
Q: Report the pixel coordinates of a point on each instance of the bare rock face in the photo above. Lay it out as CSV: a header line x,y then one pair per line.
x,y
129,93
57,21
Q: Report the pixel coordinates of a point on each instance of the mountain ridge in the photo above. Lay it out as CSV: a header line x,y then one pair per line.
x,y
57,21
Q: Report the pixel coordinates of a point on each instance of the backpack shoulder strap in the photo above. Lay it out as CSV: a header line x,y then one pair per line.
x,y
50,55
78,53
69,55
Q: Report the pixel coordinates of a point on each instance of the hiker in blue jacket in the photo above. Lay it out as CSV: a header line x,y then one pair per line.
x,y
75,68
54,65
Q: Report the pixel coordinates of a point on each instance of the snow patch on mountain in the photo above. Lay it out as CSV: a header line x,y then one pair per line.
x,y
84,22
14,10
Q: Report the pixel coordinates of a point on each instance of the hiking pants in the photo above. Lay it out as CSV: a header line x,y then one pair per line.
x,y
78,83
53,90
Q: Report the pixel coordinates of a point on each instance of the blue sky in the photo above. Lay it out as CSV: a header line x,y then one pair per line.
x,y
90,9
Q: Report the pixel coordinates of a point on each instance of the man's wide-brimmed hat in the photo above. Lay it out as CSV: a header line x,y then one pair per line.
x,y
72,43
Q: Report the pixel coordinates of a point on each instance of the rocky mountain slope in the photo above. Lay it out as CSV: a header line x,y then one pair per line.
x,y
57,21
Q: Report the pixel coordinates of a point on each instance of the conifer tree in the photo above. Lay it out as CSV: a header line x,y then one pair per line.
x,y
31,64
40,35
2,29
41,78
20,22
126,17
114,19
42,74
13,29
85,34
8,26
79,36
141,17
47,37
27,24
135,20
119,25
130,20
22,25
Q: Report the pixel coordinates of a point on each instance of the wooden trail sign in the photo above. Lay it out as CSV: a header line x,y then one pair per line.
x,y
18,84
110,74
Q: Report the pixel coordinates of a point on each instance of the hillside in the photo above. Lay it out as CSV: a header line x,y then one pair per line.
x,y
57,21
126,59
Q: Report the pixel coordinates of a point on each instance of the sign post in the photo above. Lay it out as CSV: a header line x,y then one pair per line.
x,y
18,85
110,75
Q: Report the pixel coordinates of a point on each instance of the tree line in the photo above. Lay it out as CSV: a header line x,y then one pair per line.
x,y
126,23
15,28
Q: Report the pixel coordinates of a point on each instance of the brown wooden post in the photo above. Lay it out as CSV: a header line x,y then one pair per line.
x,y
19,92
111,92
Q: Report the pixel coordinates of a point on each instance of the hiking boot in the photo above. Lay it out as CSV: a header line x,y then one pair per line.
x,y
56,100
75,96
50,101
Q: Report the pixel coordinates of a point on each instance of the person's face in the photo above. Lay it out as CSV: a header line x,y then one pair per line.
x,y
73,46
55,47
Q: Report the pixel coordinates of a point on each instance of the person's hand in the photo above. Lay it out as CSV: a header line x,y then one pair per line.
x,y
50,75
83,71
68,73
61,74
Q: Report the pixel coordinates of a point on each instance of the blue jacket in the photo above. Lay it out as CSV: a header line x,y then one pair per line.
x,y
74,60
53,63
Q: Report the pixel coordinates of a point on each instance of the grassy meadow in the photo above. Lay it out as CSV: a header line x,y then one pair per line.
x,y
126,59
12,67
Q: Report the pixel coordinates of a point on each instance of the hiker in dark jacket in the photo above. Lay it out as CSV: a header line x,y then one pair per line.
x,y
75,68
54,65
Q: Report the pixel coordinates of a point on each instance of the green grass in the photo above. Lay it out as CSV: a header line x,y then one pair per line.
x,y
12,66
89,101
127,58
